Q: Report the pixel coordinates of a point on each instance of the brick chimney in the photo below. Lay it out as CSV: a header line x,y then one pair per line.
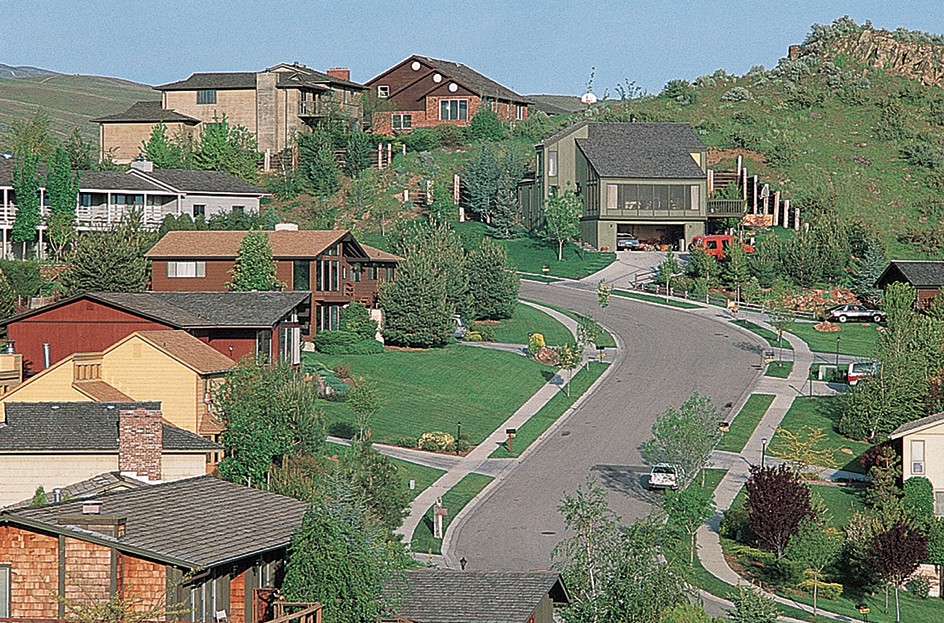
x,y
140,442
341,73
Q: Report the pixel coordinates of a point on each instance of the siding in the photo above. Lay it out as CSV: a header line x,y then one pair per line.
x,y
177,466
142,580
23,473
88,571
35,561
239,105
126,138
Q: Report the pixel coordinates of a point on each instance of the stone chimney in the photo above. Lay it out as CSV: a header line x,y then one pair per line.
x,y
341,73
140,443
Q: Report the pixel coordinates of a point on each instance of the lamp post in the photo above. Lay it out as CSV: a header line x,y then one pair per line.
x,y
837,353
763,452
458,435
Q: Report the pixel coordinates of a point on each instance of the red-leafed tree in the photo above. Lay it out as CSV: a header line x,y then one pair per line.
x,y
777,501
897,552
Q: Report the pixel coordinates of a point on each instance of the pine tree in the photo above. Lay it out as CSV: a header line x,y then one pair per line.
x,y
255,267
227,148
359,156
318,162
80,151
868,270
493,283
161,150
62,187
7,297
736,271
110,261
26,189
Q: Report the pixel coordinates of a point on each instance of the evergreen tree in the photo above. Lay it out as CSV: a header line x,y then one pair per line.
x,y
228,148
62,187
26,189
485,124
81,152
867,272
803,260
7,297
736,271
359,156
356,318
318,163
110,261
161,150
767,263
255,267
493,283
416,307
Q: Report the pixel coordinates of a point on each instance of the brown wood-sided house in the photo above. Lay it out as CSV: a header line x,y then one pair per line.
x,y
54,444
265,324
927,277
273,105
423,92
331,264
446,596
203,546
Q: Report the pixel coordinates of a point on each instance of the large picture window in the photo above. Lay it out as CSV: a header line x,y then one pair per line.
x,y
454,110
673,197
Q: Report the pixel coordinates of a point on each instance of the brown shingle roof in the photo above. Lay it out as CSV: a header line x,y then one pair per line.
x,y
189,350
225,244
146,112
100,391
380,256
482,85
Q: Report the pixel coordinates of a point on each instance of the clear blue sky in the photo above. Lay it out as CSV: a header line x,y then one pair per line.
x,y
530,46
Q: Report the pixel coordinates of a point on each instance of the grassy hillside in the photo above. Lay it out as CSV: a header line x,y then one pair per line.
x,y
69,100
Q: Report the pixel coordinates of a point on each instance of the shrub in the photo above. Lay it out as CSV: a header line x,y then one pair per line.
x,y
437,438
681,91
735,525
452,136
826,590
789,572
450,447
535,342
737,94
486,332
919,586
23,276
335,342
406,442
429,445
420,139
462,445
486,126
923,154
473,336
367,347
356,318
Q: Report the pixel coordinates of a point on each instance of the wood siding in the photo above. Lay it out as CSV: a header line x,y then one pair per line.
x,y
34,558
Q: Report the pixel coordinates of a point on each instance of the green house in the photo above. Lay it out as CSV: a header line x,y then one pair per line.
x,y
648,180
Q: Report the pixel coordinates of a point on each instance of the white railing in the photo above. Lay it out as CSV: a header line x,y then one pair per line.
x,y
92,217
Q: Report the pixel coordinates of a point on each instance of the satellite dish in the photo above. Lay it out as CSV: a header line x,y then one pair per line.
x,y
589,99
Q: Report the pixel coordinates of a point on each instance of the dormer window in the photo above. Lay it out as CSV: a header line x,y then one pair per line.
x,y
383,90
206,96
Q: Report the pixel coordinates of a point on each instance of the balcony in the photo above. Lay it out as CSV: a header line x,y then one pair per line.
x,y
726,208
311,108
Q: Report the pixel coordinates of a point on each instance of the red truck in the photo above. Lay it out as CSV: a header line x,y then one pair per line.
x,y
717,245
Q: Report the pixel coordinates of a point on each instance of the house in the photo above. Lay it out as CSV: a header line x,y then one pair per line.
x,y
927,277
170,366
264,324
273,104
105,197
88,488
331,264
648,180
921,445
446,596
205,547
54,444
422,92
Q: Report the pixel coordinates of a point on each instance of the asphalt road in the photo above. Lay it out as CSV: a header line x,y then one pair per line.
x,y
669,356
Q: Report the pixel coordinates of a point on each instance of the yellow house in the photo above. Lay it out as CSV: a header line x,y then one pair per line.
x,y
922,446
172,367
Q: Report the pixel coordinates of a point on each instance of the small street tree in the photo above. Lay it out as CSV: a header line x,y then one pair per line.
x,y
365,401
604,291
62,187
777,502
562,218
736,271
570,357
254,268
588,332
896,553
688,510
685,438
782,317
817,545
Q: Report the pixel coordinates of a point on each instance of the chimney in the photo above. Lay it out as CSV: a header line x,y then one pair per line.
x,y
140,443
92,519
286,227
142,164
341,73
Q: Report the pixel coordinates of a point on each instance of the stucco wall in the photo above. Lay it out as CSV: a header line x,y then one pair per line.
x,y
24,472
239,105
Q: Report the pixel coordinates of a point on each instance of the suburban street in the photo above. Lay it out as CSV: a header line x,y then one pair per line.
x,y
668,355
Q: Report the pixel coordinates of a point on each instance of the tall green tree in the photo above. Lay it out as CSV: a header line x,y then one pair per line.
x,y
562,218
81,152
493,282
317,162
111,260
868,270
26,190
30,136
162,150
735,269
254,268
359,156
228,148
491,179
685,438
817,545
379,480
62,187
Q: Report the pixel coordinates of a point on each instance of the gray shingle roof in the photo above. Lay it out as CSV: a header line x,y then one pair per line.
x,y
444,596
197,522
73,426
474,81
213,80
908,427
146,112
116,180
642,150
919,273
200,181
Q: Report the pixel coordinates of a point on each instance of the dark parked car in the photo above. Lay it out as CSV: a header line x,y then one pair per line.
x,y
626,242
855,313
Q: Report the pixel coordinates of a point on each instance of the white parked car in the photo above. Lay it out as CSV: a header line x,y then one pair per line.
x,y
663,476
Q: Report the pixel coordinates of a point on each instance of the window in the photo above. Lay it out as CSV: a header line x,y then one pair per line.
x,y
186,269
388,273
290,339
383,90
401,122
263,346
552,163
453,110
239,209
939,503
301,274
199,210
917,457
519,111
206,96
5,591
651,197
328,317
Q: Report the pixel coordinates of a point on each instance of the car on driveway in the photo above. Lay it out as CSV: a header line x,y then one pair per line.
x,y
854,312
663,476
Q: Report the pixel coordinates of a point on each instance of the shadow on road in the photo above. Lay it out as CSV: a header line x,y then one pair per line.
x,y
629,480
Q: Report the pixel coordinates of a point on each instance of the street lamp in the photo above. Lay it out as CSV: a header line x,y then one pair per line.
x,y
837,353
763,452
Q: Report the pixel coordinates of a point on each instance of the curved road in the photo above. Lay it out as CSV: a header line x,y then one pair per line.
x,y
669,355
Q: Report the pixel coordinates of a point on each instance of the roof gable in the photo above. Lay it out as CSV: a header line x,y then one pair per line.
x,y
918,426
642,150
462,75
919,273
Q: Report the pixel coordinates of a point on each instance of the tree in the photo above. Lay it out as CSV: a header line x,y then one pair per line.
x,y
318,163
365,401
355,317
26,189
7,297
685,438
119,608
570,356
379,480
485,124
604,291
62,187
918,499
359,155
39,497
30,137
896,553
817,545
562,218
867,272
254,268
162,150
782,317
110,261
751,606
802,448
736,270
588,332
493,283
80,151
668,268
689,509
777,502
228,148
491,178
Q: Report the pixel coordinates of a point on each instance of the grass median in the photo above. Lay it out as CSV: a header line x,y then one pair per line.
x,y
453,501
742,427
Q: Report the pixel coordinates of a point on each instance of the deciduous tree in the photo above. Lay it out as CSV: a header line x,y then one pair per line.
x,y
365,401
569,356
562,218
26,189
62,187
817,545
254,268
689,509
604,292
778,501
685,438
897,552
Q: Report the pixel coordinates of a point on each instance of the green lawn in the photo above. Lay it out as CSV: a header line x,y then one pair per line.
x,y
453,501
542,420
819,413
764,332
742,427
422,475
540,278
605,339
652,298
779,370
432,390
841,500
858,339
527,320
